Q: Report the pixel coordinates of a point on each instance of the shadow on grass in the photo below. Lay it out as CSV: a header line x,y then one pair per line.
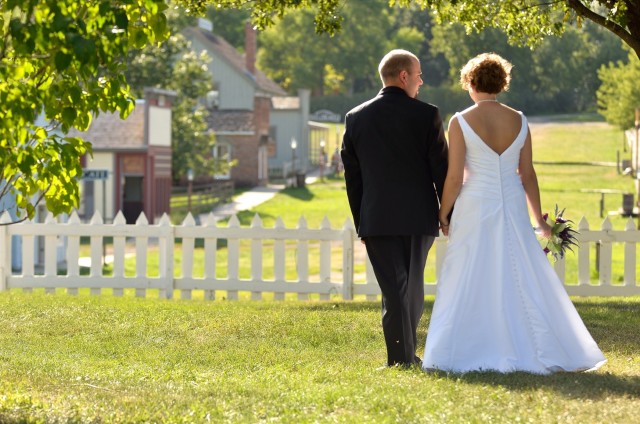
x,y
612,324
245,217
300,193
571,385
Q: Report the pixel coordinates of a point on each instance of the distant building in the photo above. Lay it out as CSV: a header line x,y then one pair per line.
x,y
135,155
252,117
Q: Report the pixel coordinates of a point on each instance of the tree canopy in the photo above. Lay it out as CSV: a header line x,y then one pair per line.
x,y
62,62
619,94
296,57
523,21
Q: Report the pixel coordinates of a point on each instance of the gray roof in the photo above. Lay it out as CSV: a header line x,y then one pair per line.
x,y
231,121
231,55
107,131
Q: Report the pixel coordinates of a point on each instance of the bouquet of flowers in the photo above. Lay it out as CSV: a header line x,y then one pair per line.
x,y
563,236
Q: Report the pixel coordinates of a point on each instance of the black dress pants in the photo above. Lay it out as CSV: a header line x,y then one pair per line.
x,y
398,263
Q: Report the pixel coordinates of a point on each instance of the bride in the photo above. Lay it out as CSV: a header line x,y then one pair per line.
x,y
499,304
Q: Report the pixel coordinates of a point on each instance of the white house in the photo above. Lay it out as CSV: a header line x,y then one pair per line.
x,y
254,120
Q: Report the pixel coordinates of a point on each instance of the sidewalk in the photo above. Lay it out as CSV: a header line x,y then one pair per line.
x,y
254,197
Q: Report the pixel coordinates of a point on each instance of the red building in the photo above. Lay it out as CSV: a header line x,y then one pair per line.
x,y
135,156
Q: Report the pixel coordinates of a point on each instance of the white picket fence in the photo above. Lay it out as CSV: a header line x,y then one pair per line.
x,y
314,253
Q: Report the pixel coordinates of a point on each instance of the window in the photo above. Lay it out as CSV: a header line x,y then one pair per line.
x,y
222,156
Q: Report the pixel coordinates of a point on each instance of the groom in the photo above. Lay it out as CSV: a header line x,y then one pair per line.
x,y
395,162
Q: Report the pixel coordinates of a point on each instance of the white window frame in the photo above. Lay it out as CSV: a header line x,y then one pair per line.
x,y
219,154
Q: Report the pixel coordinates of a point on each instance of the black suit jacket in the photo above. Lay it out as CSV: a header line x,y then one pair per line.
x,y
395,162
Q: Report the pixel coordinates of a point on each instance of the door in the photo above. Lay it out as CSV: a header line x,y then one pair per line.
x,y
132,198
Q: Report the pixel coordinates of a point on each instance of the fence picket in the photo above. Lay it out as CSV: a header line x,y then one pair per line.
x,y
606,253
630,257
279,260
51,236
256,257
5,246
371,281
233,258
325,258
142,243
166,243
73,253
28,247
50,266
302,259
119,248
584,268
188,244
348,237
96,252
210,253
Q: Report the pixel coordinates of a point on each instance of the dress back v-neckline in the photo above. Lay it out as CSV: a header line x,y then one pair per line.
x,y
522,125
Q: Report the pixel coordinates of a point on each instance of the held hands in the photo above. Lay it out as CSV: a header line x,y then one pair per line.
x,y
444,225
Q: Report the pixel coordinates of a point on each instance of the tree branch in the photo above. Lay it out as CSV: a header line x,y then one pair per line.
x,y
14,222
618,30
34,205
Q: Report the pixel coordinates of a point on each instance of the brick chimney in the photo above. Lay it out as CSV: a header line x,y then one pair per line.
x,y
250,48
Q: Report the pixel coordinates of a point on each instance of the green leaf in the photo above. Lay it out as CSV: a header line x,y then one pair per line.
x,y
83,48
75,93
121,19
68,115
139,39
62,61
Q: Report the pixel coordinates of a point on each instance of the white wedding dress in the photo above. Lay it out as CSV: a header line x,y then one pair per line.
x,y
499,304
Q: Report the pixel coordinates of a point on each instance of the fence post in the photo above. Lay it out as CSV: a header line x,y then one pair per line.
x,y
5,251
348,237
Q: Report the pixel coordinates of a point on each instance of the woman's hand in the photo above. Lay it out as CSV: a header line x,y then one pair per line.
x,y
444,225
543,229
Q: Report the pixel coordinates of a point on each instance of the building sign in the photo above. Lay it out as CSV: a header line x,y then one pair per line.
x,y
133,164
324,115
94,174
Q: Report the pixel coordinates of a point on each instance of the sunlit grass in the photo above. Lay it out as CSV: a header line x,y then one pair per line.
x,y
81,359
85,358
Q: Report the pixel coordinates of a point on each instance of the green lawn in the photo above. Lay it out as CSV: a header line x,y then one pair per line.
x,y
313,202
563,183
80,359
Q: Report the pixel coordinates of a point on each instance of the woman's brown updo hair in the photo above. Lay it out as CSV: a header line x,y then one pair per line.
x,y
486,73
